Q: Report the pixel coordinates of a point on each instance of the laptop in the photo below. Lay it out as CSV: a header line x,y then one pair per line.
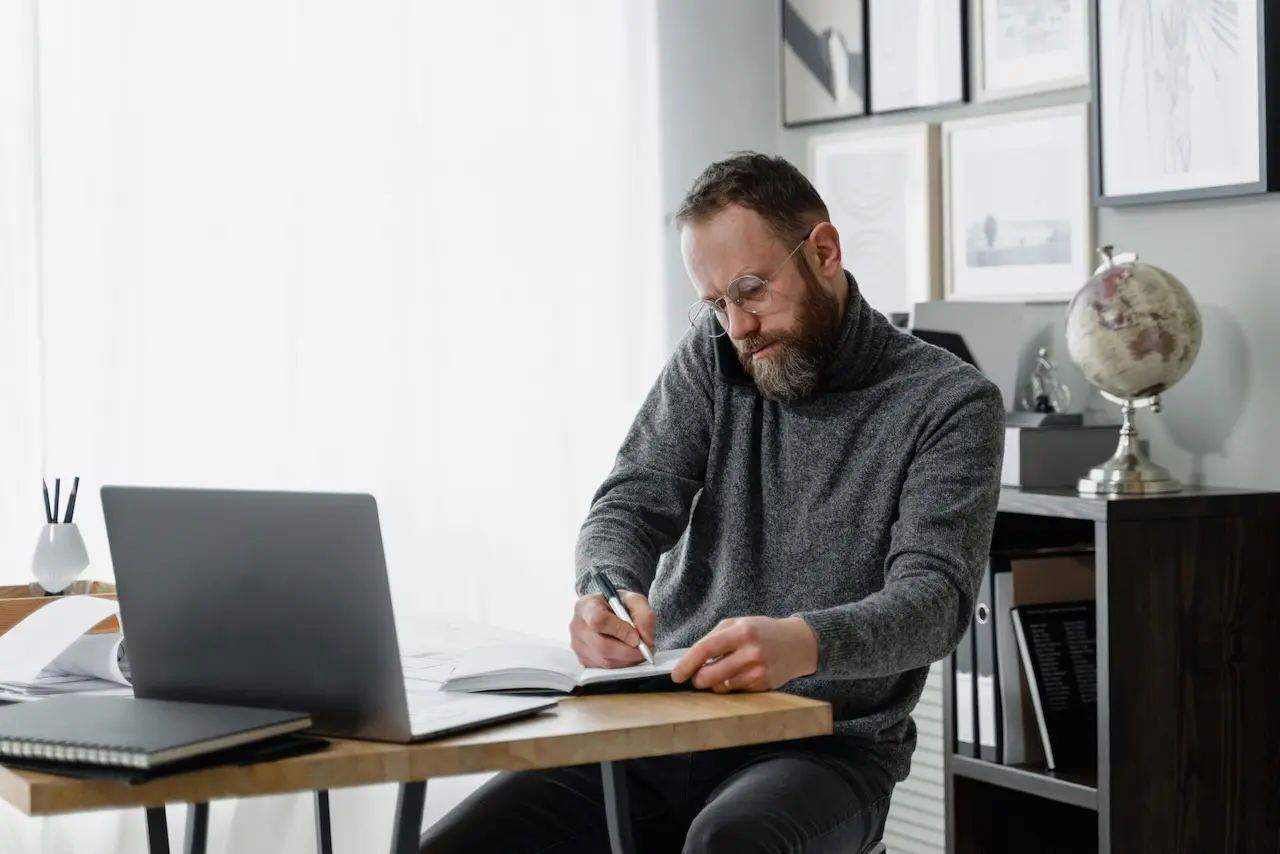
x,y
278,600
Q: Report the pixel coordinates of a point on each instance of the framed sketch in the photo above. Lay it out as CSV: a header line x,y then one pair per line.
x,y
1028,46
917,53
1017,214
1186,99
824,60
882,190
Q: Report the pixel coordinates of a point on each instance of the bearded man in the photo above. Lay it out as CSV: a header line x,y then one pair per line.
x,y
806,500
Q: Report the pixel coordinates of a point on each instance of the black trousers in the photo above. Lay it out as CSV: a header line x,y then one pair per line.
x,y
824,794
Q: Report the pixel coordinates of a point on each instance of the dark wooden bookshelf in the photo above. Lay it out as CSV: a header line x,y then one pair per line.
x,y
1188,751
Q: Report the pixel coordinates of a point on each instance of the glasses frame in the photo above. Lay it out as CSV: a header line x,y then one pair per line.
x,y
721,305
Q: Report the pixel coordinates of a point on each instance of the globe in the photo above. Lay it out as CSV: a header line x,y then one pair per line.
x,y
1134,331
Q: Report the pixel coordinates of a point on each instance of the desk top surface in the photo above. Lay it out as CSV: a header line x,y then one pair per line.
x,y
579,730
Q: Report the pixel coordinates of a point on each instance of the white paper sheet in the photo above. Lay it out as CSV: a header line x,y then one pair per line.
x,y
31,645
98,656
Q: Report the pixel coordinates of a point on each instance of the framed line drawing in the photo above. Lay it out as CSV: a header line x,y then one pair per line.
x,y
824,60
1029,46
1186,99
1017,215
882,190
917,53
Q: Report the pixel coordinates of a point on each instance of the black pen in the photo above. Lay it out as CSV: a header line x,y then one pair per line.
x,y
48,511
71,501
615,602
57,489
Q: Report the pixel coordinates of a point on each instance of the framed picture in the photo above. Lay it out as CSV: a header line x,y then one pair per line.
x,y
882,190
1028,46
1018,222
917,53
824,60
1186,99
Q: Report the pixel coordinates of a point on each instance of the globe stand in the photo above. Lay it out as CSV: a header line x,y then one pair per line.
x,y
1129,471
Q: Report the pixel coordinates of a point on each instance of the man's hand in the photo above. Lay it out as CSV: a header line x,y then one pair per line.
x,y
750,654
600,639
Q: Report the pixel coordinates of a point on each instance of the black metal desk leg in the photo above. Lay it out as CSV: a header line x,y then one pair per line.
x,y
324,833
157,831
410,806
197,828
617,807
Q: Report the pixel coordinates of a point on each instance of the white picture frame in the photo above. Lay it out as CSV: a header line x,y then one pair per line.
x,y
917,56
1024,47
1205,132
882,188
1018,217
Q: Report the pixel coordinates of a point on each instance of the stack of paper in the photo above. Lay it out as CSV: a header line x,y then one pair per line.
x,y
49,653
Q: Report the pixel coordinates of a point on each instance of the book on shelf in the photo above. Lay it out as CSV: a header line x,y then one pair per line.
x,y
1057,643
1028,579
552,669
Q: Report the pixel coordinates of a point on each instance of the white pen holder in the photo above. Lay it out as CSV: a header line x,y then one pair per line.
x,y
60,556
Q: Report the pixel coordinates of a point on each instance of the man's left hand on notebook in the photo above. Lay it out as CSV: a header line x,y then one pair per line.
x,y
601,639
750,654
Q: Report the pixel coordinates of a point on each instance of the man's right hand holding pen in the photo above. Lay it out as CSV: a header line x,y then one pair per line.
x,y
600,638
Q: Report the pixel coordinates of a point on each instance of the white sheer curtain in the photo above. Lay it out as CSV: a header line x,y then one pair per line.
x,y
402,247
21,507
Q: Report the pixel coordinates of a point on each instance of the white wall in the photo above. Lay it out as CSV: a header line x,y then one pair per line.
x,y
718,92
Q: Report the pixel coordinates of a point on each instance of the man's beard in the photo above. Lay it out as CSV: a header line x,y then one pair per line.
x,y
791,371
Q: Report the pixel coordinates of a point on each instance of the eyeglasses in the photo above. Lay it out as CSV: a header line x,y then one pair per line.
x,y
749,293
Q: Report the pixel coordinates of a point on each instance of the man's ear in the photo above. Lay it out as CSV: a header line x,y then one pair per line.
x,y
829,263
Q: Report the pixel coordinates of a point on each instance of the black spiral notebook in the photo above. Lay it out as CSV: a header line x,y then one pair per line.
x,y
128,732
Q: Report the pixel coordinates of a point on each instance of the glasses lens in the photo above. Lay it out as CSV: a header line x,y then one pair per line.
x,y
714,325
750,293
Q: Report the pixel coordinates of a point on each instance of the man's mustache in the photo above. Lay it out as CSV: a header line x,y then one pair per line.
x,y
755,342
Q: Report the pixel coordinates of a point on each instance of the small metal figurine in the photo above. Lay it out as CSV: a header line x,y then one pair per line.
x,y
1044,393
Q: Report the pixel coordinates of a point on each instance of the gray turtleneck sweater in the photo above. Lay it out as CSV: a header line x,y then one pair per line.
x,y
866,509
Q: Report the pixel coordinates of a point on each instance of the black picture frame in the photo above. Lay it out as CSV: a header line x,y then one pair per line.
x,y
1268,121
806,42
966,82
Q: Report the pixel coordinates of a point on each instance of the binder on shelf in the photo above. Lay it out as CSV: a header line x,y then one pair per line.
x,y
990,737
965,705
1020,737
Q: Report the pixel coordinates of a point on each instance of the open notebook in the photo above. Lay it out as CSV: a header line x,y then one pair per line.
x,y
535,667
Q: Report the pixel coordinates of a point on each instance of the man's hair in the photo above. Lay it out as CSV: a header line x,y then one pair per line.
x,y
772,187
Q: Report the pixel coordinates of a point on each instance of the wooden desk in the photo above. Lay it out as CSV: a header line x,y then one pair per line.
x,y
604,729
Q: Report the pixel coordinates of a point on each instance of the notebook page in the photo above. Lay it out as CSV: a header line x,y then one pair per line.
x,y
664,662
518,657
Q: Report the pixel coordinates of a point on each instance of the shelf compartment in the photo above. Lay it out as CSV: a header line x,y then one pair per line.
x,y
1077,788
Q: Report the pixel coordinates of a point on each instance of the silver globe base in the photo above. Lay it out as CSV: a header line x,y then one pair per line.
x,y
1129,471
